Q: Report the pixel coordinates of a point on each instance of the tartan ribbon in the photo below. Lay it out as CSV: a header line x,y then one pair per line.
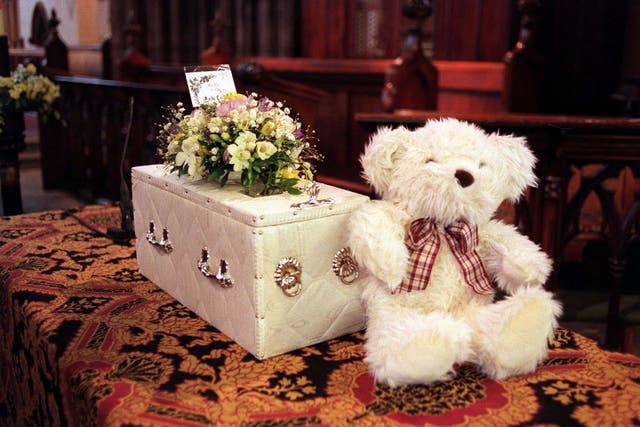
x,y
423,242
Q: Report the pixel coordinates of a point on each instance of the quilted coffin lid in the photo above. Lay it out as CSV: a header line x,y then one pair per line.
x,y
231,200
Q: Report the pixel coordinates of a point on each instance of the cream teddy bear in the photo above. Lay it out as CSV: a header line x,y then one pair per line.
x,y
434,253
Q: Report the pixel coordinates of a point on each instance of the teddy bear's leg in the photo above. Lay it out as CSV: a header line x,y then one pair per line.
x,y
513,334
410,347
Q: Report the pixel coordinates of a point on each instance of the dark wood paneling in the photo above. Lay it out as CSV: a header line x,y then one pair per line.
x,y
473,30
324,33
583,42
497,19
457,29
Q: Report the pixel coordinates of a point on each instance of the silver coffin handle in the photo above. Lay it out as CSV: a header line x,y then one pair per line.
x,y
164,242
221,276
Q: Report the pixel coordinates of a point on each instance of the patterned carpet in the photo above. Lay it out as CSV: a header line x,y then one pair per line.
x,y
86,340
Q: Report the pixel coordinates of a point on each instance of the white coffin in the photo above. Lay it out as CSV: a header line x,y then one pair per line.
x,y
253,236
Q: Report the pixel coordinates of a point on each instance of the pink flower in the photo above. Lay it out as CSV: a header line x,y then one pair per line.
x,y
226,107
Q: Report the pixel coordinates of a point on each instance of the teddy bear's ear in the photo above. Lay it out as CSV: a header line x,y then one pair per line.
x,y
517,163
380,156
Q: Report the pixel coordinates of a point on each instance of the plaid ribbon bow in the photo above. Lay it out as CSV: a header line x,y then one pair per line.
x,y
423,242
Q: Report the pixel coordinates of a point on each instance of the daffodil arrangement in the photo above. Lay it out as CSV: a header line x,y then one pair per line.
x,y
254,137
26,90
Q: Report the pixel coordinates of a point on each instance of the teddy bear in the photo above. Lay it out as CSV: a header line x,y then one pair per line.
x,y
436,256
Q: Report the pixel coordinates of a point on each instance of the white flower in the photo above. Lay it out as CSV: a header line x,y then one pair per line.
x,y
246,140
173,147
191,144
215,125
295,153
239,157
196,170
265,149
182,158
187,154
198,119
285,127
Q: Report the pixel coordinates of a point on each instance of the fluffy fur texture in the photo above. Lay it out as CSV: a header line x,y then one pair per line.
x,y
417,337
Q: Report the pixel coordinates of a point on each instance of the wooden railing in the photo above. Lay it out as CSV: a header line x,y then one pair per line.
x,y
82,152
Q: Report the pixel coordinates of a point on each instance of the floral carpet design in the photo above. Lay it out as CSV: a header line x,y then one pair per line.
x,y
85,340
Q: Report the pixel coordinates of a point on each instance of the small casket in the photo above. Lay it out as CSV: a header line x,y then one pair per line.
x,y
272,277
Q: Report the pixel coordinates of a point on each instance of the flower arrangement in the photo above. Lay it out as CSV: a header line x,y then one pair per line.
x,y
251,136
26,90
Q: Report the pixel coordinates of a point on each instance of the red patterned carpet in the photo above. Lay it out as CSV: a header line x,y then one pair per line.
x,y
86,340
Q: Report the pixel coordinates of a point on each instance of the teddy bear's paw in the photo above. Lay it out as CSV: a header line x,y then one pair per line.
x,y
421,353
526,322
521,268
383,254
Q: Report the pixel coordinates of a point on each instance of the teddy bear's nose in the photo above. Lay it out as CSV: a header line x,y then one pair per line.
x,y
464,178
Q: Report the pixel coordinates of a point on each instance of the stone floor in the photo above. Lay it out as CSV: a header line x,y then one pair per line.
x,y
35,198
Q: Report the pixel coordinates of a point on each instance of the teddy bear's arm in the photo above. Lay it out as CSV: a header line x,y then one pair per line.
x,y
511,258
376,237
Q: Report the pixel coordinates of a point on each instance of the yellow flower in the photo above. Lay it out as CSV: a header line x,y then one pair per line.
x,y
289,173
27,90
14,93
268,128
233,95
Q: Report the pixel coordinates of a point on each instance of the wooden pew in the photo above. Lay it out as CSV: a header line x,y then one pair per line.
x,y
82,153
